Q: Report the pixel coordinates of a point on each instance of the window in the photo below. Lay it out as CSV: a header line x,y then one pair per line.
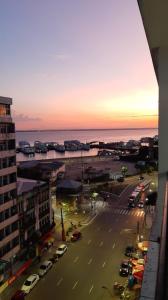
x,y
7,230
15,242
4,109
1,234
14,226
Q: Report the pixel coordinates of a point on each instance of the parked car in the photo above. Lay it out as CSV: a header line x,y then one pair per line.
x,y
61,250
44,267
125,268
120,179
141,177
29,283
54,258
129,250
141,204
131,205
76,236
19,295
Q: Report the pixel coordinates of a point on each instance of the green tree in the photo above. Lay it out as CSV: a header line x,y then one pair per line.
x,y
124,170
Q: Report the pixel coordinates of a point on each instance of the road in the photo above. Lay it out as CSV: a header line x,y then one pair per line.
x,y
93,261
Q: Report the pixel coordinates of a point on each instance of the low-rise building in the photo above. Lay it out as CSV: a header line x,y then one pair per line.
x,y
35,212
45,171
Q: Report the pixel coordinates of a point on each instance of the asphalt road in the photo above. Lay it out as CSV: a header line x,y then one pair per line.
x,y
92,262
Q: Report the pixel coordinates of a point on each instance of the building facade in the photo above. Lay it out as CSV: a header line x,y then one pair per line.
x,y
35,213
9,230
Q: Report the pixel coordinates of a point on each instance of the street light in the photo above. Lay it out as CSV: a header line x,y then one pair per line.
x,y
62,224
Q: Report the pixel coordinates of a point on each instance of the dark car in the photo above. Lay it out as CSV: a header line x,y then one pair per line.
x,y
19,295
125,268
120,179
54,258
141,177
131,205
76,236
129,250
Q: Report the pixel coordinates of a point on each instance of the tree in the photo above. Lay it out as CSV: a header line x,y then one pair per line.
x,y
124,170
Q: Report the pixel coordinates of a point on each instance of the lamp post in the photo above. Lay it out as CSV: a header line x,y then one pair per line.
x,y
62,224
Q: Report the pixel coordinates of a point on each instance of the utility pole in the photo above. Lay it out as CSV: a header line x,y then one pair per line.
x,y
62,224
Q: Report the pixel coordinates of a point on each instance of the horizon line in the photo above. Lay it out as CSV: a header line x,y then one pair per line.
x,y
84,129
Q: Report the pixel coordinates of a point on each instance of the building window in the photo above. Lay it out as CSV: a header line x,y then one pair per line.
x,y
4,109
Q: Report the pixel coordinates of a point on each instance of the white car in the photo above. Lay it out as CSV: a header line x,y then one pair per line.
x,y
61,250
29,283
44,267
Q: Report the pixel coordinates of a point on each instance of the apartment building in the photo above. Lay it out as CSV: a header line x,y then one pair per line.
x,y
35,213
9,230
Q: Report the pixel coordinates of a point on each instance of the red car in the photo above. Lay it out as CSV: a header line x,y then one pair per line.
x,y
19,295
76,236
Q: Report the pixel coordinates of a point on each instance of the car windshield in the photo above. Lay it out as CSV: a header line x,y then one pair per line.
x,y
27,283
60,249
42,267
124,265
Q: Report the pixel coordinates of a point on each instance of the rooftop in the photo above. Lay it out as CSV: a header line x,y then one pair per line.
x,y
5,100
26,185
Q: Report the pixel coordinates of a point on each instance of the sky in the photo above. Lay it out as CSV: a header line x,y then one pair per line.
x,y
76,64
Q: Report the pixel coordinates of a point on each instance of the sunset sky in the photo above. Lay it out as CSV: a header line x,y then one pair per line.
x,y
76,64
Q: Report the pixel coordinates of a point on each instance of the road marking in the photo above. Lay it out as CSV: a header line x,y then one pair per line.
x,y
76,259
75,284
138,214
89,242
101,244
114,243
110,230
132,213
142,212
59,281
91,289
103,265
89,262
121,211
126,211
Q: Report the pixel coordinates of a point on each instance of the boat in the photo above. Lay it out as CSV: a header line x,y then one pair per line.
x,y
28,150
59,148
40,147
51,145
23,144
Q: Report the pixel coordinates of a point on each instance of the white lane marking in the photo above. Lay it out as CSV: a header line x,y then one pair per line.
x,y
91,289
141,214
126,211
90,261
132,213
103,265
138,214
110,230
89,242
76,259
114,243
59,281
101,244
121,211
75,284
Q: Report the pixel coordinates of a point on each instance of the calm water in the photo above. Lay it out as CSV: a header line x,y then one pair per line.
x,y
60,136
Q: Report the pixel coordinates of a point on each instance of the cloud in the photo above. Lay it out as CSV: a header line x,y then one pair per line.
x,y
25,118
135,116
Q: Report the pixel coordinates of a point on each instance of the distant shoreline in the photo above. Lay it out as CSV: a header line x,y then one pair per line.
x,y
98,129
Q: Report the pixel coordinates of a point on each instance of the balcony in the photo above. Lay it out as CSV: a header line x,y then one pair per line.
x,y
8,153
7,171
7,188
9,221
7,136
10,237
8,204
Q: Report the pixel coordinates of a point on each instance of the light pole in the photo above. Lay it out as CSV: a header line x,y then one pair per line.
x,y
62,224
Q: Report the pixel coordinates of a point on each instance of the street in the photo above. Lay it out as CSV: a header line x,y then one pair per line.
x,y
94,261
